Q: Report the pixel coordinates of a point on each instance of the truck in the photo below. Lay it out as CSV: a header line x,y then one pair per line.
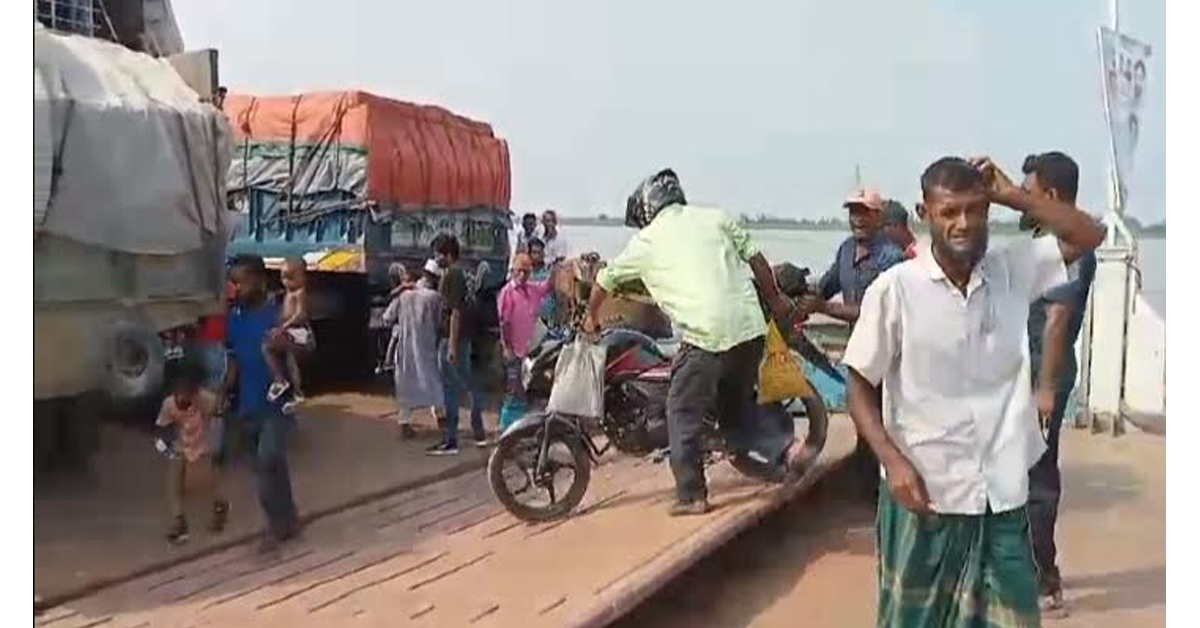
x,y
130,225
351,182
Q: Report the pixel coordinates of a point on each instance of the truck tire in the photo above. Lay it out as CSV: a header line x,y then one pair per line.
x,y
135,363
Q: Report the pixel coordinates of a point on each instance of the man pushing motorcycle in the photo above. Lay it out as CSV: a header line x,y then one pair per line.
x,y
701,267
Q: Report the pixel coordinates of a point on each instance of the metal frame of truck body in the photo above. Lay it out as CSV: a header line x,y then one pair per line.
x,y
334,232
82,293
348,245
87,299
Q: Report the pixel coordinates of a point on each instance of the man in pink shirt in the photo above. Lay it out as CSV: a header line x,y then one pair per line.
x,y
519,303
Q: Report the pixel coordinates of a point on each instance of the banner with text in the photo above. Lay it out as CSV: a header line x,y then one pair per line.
x,y
1123,60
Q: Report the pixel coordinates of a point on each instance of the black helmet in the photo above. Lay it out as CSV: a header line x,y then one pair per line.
x,y
651,196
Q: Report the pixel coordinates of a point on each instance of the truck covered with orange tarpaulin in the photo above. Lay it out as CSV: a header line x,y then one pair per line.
x,y
397,154
351,182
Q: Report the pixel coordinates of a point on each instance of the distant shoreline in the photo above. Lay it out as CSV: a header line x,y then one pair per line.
x,y
1156,231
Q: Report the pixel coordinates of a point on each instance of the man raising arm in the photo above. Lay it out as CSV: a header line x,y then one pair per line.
x,y
1055,321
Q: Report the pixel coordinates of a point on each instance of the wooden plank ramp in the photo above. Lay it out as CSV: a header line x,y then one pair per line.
x,y
448,555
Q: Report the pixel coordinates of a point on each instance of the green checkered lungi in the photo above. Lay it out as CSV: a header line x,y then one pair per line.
x,y
955,571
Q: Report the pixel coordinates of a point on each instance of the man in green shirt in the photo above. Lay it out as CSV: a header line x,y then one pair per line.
x,y
700,267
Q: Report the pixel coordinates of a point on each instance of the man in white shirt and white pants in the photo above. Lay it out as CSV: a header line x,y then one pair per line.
x,y
940,389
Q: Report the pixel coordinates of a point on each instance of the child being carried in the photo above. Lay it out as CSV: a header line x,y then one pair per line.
x,y
292,338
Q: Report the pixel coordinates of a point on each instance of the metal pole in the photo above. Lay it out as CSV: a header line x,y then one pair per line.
x,y
1114,17
1115,296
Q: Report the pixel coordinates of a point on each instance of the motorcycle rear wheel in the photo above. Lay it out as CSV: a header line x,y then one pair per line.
x,y
521,449
813,443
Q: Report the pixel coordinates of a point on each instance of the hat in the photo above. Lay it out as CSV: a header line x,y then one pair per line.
x,y
522,261
431,267
866,198
895,214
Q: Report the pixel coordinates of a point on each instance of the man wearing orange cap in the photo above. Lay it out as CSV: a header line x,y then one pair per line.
x,y
859,260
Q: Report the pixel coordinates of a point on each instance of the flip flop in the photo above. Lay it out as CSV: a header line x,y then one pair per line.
x,y
277,390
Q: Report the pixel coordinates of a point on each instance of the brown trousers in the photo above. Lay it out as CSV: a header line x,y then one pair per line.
x,y
196,479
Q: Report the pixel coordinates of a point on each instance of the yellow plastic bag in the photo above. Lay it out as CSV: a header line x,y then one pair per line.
x,y
780,377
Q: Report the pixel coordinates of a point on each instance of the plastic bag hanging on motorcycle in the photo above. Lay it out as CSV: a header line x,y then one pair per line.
x,y
579,381
780,376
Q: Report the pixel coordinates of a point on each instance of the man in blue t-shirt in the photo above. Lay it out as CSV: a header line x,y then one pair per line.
x,y
264,424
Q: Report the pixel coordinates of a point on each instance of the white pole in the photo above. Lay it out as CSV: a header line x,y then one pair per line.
x,y
1114,17
1110,300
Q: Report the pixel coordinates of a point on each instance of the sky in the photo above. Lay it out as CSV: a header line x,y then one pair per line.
x,y
761,107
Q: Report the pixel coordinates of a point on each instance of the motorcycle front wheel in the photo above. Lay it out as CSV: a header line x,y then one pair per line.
x,y
533,486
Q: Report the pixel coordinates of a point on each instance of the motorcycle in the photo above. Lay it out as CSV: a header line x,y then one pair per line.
x,y
541,466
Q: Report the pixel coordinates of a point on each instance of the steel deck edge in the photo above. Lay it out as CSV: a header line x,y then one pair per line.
x,y
655,575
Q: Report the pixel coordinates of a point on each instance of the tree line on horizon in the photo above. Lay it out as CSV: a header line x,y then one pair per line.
x,y
831,223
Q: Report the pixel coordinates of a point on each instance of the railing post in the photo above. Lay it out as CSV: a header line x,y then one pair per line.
x,y
1110,310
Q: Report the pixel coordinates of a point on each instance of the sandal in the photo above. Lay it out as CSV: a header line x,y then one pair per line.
x,y
276,390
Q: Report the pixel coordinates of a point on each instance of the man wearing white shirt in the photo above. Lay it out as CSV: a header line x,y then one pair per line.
x,y
940,389
556,245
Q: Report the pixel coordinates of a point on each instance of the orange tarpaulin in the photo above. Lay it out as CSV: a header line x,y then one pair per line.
x,y
418,156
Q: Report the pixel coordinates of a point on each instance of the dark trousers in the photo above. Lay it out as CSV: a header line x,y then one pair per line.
x,y
267,437
1045,489
703,382
457,383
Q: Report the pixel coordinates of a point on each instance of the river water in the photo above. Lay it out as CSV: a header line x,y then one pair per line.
x,y
815,249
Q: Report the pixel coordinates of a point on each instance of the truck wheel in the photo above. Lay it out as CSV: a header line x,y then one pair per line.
x,y
135,363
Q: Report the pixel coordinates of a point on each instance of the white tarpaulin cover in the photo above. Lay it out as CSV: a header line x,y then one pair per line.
x,y
126,157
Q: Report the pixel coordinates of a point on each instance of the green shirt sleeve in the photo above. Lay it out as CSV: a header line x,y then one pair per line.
x,y
742,243
625,267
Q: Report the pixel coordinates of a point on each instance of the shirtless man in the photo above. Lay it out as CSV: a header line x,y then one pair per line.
x,y
292,336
